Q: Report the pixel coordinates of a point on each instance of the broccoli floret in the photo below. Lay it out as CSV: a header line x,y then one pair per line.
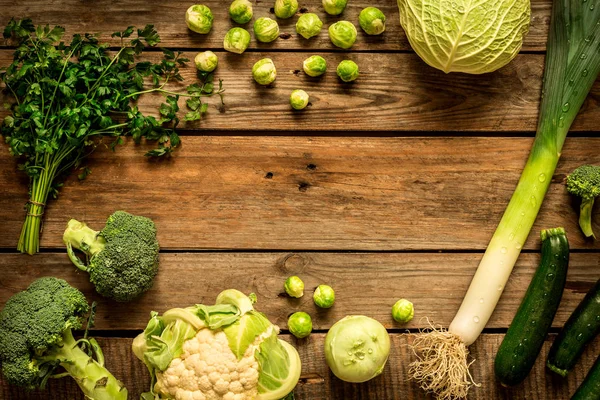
x,y
36,339
585,183
123,257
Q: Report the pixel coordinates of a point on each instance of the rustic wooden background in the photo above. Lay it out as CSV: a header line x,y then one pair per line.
x,y
384,188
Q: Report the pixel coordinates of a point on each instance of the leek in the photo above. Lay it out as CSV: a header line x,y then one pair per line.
x,y
572,66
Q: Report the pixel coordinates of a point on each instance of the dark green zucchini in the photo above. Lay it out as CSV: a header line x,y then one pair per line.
x,y
581,327
529,328
590,387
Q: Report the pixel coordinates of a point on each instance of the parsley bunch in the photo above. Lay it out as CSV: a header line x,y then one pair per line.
x,y
68,96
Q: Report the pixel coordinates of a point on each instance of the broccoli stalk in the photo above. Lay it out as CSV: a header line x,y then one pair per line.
x,y
122,257
584,182
36,339
83,238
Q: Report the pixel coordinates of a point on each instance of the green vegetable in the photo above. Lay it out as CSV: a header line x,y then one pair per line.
x,y
580,329
343,34
240,11
584,182
36,341
324,296
64,105
285,8
123,257
266,29
357,348
236,40
372,21
294,287
264,71
529,328
403,311
590,387
309,25
299,99
300,324
314,66
199,18
334,7
572,66
230,341
206,61
462,36
347,70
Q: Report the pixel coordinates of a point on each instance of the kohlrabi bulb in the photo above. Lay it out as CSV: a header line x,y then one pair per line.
x,y
343,34
372,21
334,7
300,324
285,8
199,18
357,348
266,29
314,66
236,40
403,311
309,25
347,70
299,99
264,72
240,11
206,61
324,296
294,287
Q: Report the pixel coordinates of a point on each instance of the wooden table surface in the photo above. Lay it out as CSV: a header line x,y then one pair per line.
x,y
384,188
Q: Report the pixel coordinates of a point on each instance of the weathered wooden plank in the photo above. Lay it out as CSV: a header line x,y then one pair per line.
x,y
318,383
309,193
364,283
107,16
395,93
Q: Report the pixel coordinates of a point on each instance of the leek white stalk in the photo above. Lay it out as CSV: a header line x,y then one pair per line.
x,y
573,63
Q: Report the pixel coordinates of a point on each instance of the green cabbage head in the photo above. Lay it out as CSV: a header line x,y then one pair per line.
x,y
472,36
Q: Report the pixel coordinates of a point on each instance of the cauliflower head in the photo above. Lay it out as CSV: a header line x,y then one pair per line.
x,y
227,351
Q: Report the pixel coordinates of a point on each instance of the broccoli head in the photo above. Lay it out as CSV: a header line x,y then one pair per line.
x,y
36,339
123,257
584,182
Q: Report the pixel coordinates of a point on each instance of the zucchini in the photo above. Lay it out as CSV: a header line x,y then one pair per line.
x,y
581,327
590,387
531,323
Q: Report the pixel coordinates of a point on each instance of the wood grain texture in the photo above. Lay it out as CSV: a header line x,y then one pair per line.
x,y
366,284
107,16
395,93
318,383
309,193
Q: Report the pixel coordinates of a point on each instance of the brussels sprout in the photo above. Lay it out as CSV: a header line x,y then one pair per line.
x,y
300,324
264,71
324,296
334,7
347,70
294,287
372,21
299,99
199,18
309,25
236,40
403,311
357,348
240,11
285,8
266,29
314,66
207,61
343,34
